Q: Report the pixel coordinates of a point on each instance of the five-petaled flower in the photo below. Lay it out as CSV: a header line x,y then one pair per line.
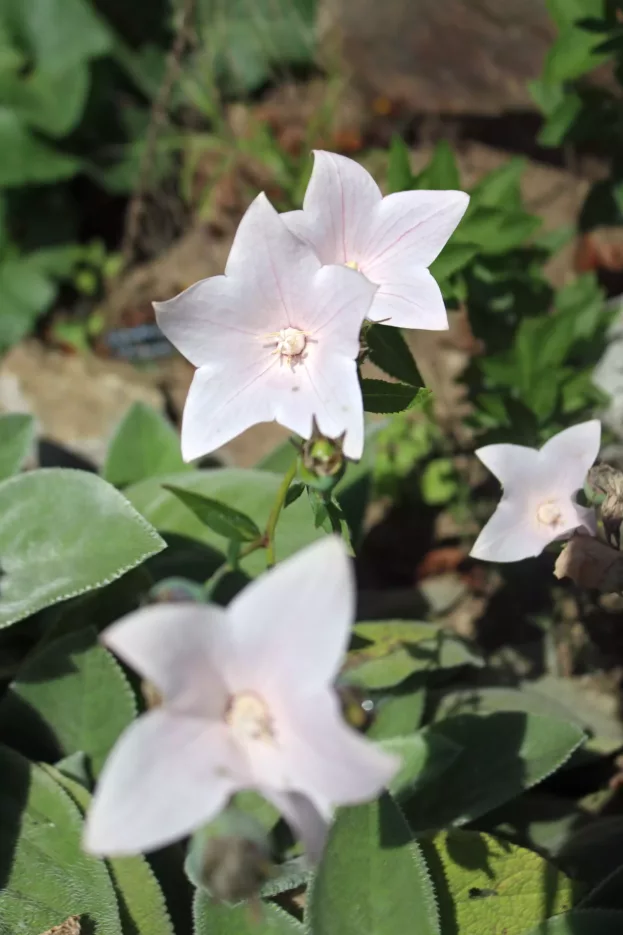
x,y
248,703
392,240
538,503
274,339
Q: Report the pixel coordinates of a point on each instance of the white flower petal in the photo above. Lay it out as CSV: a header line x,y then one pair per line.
x,y
177,647
336,400
512,533
339,200
336,309
329,761
412,226
223,402
307,823
166,776
212,321
272,265
409,297
290,627
570,454
515,466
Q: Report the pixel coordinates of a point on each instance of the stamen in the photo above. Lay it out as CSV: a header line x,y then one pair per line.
x,y
549,513
249,718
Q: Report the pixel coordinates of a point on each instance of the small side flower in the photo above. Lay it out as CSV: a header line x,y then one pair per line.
x,y
539,486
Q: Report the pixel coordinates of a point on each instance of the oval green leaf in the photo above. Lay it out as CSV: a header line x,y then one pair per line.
x,y
47,876
141,902
372,877
17,433
250,491
62,533
74,674
145,445
212,918
484,884
502,755
222,519
382,396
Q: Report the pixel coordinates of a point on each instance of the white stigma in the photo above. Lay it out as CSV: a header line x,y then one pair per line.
x,y
549,513
249,718
291,342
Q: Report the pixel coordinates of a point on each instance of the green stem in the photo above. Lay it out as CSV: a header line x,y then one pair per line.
x,y
271,525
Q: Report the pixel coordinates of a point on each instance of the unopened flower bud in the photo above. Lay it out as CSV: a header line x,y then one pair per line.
x,y
230,857
175,591
322,461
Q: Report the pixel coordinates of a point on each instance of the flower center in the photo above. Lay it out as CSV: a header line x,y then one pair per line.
x,y
291,342
249,717
549,513
352,264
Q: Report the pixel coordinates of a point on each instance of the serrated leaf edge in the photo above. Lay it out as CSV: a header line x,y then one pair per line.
x,y
47,768
159,545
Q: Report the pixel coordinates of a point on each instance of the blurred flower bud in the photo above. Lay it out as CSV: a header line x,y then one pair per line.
x,y
176,590
322,462
590,563
230,857
604,487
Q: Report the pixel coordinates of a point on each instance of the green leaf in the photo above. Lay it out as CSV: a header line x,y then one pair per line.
x,y
560,121
63,533
47,877
222,519
26,160
389,351
295,490
495,230
441,172
425,756
212,918
250,491
58,33
453,258
567,12
74,674
141,903
381,396
372,877
244,58
485,884
581,922
17,434
572,55
50,102
26,294
501,188
144,445
398,716
503,754
399,174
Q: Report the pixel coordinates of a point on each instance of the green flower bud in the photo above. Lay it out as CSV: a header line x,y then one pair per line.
x,y
173,590
230,857
322,461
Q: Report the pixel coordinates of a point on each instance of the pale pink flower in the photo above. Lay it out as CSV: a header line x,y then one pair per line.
x,y
538,503
275,338
391,240
248,703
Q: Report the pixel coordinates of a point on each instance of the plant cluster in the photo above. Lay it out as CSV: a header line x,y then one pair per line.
x,y
300,746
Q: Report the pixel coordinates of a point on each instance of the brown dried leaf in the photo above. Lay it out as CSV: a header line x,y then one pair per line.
x,y
70,927
591,563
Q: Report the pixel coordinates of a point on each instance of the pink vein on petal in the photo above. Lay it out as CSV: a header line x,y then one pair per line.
x,y
339,175
279,289
250,383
